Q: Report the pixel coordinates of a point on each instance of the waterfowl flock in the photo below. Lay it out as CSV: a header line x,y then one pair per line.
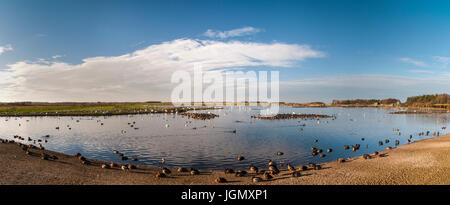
x,y
256,174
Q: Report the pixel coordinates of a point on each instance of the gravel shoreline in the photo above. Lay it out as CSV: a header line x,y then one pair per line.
x,y
422,162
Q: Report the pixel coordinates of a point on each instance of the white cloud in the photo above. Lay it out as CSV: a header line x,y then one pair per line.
x,y
444,61
5,48
231,33
142,75
414,62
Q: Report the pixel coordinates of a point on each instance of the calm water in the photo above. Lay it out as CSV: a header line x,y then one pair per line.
x,y
213,145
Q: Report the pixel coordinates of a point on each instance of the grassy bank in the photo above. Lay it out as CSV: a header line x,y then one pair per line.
x,y
81,109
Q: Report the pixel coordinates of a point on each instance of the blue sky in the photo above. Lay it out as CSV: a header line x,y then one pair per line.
x,y
358,41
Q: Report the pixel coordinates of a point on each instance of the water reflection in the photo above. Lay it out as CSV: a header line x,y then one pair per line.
x,y
211,144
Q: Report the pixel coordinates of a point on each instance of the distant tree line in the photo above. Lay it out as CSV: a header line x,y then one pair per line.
x,y
366,101
428,100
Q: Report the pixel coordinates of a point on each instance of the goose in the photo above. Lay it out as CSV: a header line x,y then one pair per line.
x,y
296,174
256,179
290,167
317,167
271,163
220,180
240,158
160,175
182,169
254,169
303,168
166,171
229,171
240,173
274,169
194,172
267,176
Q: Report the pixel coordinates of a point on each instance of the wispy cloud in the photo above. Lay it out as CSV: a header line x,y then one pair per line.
x,y
444,61
420,71
414,62
141,75
5,48
57,56
231,33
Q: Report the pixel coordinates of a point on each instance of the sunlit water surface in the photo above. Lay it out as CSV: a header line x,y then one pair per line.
x,y
211,144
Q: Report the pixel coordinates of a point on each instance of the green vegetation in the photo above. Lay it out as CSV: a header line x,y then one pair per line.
x,y
366,102
79,109
437,100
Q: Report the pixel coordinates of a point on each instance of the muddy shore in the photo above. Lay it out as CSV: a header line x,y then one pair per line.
x,y
422,162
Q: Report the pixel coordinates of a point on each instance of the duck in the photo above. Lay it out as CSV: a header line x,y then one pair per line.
x,y
112,164
124,168
329,150
116,152
134,159
130,166
341,160
124,158
240,158
366,156
220,180
388,148
105,166
280,153
346,147
375,153
322,156
380,143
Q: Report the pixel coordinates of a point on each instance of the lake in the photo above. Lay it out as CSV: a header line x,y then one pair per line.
x,y
212,144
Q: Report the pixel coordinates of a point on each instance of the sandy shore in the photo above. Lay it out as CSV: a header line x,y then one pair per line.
x,y
422,162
